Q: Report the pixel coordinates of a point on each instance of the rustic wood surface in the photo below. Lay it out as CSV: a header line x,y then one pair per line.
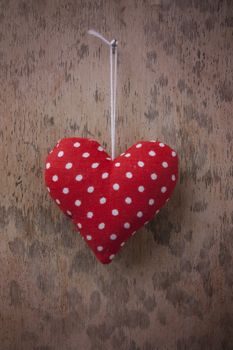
x,y
171,286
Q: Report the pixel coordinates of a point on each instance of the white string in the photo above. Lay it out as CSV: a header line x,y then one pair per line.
x,y
98,35
113,84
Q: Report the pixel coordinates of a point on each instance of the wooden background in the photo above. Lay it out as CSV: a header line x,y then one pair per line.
x,y
171,286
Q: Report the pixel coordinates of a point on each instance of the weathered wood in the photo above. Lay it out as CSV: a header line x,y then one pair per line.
x,y
171,286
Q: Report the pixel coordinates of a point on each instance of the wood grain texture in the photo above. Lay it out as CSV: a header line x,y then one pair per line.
x,y
171,286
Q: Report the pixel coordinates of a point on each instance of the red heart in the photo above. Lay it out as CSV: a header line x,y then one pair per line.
x,y
108,199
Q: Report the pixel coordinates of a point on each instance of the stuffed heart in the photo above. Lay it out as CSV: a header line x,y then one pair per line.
x,y
108,200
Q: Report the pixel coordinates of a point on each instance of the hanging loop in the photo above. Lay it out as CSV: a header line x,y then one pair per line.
x,y
113,83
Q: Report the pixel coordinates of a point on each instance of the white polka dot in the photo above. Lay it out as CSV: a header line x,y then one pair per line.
x,y
115,212
79,225
129,175
141,164
60,154
126,225
128,200
111,256
79,177
113,237
117,164
65,190
90,189
89,237
100,248
165,164
127,155
122,154
48,165
151,201
76,144
68,212
153,176
55,178
48,189
90,215
94,165
163,189
122,244
116,187
105,175
77,203
152,153
139,214
173,177
57,201
101,226
103,200
157,211
100,148
138,145
141,188
108,158
85,155
161,144
173,153
69,165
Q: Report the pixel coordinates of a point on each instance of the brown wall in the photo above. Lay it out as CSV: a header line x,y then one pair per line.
x,y
171,286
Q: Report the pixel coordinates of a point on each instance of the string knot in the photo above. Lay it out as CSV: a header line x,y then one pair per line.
x,y
114,44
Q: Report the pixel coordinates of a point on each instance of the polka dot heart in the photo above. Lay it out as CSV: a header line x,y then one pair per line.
x,y
108,200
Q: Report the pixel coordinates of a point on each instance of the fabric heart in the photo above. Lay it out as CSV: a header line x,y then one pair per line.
x,y
108,200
